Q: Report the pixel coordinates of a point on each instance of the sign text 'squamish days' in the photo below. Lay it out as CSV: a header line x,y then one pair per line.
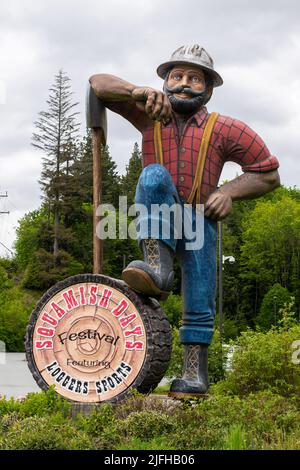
x,y
90,297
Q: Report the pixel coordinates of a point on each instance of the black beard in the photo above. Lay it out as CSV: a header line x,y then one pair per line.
x,y
186,106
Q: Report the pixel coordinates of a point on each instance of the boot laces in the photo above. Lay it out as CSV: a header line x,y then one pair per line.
x,y
152,248
191,363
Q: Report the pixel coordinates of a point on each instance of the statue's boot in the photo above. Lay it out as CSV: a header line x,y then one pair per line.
x,y
154,276
194,382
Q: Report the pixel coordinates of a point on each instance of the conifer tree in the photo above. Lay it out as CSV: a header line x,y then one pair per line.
x,y
56,135
83,172
130,179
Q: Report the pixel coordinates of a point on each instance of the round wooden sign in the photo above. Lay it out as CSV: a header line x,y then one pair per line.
x,y
92,338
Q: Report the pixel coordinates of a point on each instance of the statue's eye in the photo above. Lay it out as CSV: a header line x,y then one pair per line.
x,y
177,76
196,79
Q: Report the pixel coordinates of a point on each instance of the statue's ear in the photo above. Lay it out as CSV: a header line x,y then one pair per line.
x,y
210,90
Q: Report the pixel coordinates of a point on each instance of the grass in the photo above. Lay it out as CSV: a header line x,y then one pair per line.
x,y
261,420
162,390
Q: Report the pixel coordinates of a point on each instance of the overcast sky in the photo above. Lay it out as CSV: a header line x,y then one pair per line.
x,y
255,46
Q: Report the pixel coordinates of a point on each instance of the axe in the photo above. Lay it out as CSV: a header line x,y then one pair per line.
x,y
96,120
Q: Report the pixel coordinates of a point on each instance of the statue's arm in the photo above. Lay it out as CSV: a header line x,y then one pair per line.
x,y
111,88
244,146
152,104
246,186
251,185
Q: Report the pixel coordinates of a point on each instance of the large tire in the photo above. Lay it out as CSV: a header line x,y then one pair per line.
x,y
57,357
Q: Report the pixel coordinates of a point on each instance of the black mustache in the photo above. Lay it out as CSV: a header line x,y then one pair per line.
x,y
186,90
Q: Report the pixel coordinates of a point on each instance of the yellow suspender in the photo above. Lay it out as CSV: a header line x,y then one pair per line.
x,y
201,156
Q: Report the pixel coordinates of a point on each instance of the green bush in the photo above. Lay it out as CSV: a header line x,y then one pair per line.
x,y
101,424
9,406
261,420
16,305
217,356
233,328
263,361
9,265
41,404
37,404
44,269
146,424
42,421
176,362
173,309
44,433
272,305
257,421
5,283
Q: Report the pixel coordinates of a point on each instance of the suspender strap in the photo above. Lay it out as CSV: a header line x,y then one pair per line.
x,y
208,130
158,143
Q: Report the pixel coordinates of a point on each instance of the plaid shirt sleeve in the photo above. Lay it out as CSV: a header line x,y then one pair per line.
x,y
246,148
129,111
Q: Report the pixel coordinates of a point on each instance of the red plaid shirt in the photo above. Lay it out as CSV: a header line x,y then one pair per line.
x,y
231,140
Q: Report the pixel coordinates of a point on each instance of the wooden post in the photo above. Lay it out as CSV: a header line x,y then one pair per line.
x,y
97,136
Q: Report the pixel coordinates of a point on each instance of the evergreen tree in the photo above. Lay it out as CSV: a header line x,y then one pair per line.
x,y
83,174
56,134
130,179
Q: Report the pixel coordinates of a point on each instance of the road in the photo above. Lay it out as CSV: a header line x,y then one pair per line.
x,y
15,377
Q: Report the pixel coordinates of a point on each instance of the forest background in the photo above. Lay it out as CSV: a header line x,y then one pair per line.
x,y
55,241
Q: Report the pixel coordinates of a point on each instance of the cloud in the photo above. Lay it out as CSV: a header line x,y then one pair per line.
x,y
255,46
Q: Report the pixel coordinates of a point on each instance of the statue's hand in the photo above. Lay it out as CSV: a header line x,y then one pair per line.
x,y
154,102
218,205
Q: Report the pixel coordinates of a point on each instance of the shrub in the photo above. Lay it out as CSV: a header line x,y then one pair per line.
x,y
37,404
272,304
101,426
44,433
263,361
45,403
173,309
217,357
9,406
44,269
176,362
146,424
16,305
5,283
261,420
257,421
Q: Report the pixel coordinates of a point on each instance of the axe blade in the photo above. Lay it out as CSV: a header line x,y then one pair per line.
x,y
95,112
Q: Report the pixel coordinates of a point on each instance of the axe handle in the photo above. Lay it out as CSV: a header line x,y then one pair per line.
x,y
97,136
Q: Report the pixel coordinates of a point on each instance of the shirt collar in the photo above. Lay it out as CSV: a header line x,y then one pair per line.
x,y
198,117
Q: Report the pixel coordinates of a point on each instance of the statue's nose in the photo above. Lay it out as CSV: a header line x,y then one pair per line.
x,y
184,80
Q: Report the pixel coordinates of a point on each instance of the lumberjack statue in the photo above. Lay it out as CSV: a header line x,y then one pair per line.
x,y
184,150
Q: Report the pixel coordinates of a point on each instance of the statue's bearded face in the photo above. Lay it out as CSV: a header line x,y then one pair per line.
x,y
187,89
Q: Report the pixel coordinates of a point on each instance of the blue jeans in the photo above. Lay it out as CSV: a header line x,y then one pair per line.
x,y
198,266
